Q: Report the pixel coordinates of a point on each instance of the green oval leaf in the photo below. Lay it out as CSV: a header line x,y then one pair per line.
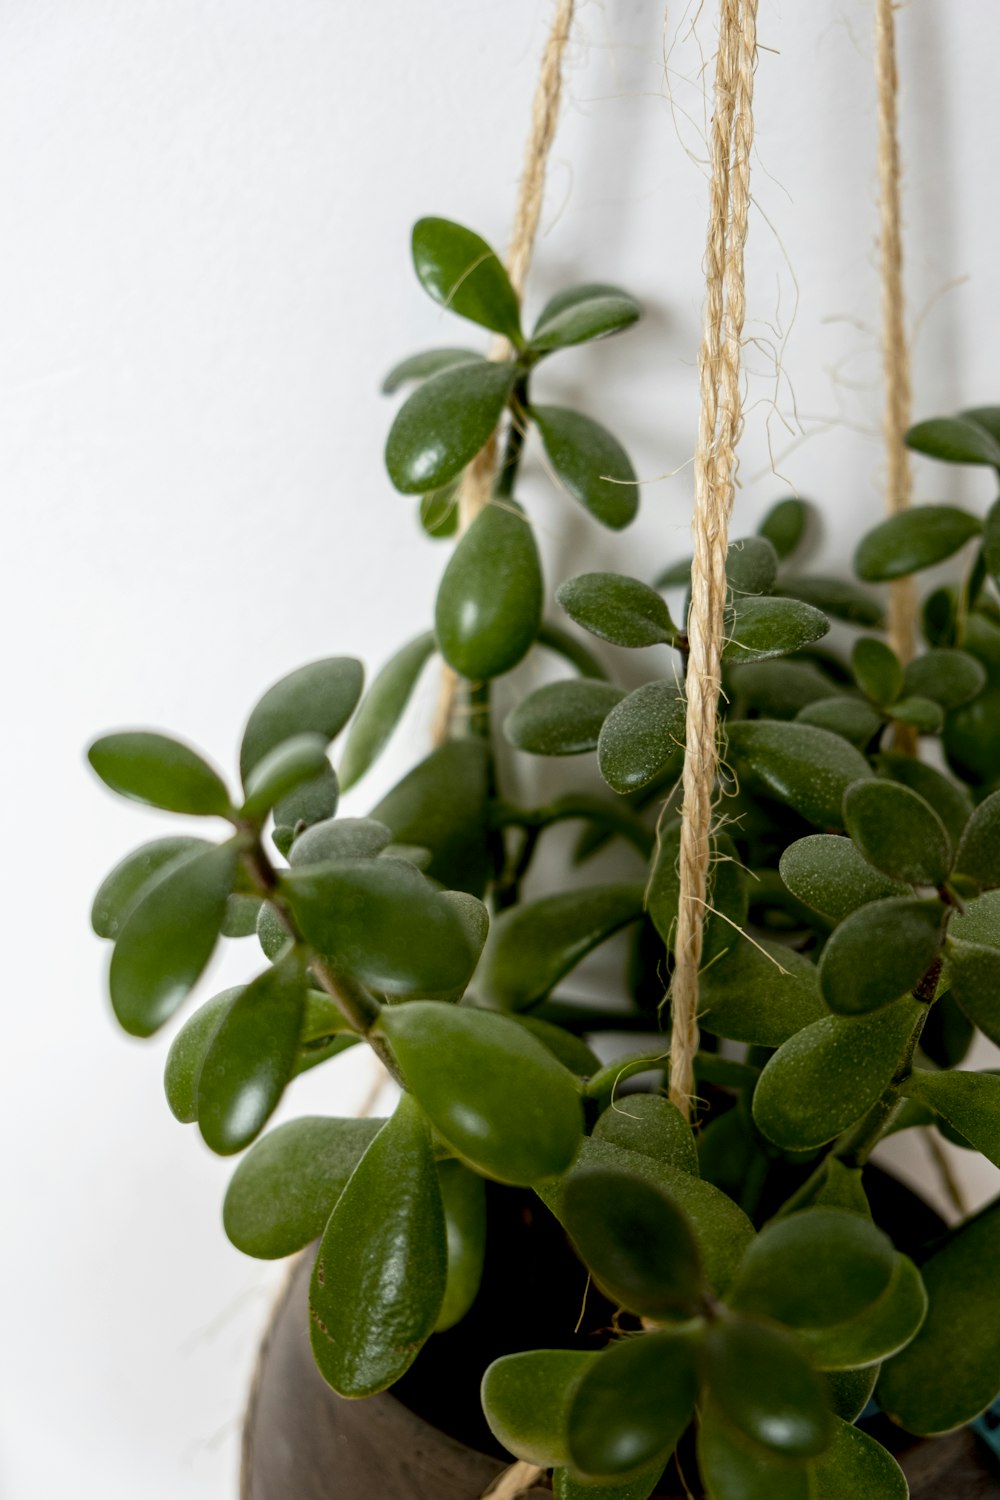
x,y
382,707
283,771
970,1102
489,602
561,718
315,699
169,937
251,1057
152,768
590,464
814,1268
187,1053
445,422
631,1405
122,888
379,1278
494,1093
285,1188
825,1077
877,670
340,838
651,1125
443,805
729,1466
809,769
758,628
426,362
314,801
979,852
763,1384
837,597
778,689
950,678
438,510
880,953
926,716
974,972
566,1487
526,1400
618,609
829,875
751,567
898,832
760,993
583,313
853,720
878,1333
856,1467
952,803
955,440
643,737
532,945
912,540
460,271
784,525
463,1194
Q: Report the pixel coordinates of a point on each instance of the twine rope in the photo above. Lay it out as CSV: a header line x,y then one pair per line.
x,y
895,354
477,483
514,1481
719,427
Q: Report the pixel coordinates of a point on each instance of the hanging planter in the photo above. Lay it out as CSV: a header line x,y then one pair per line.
x,y
701,1287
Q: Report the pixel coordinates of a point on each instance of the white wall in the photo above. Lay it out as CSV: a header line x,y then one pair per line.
x,y
205,211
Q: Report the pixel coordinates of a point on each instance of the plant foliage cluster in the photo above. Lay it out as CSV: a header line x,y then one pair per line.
x,y
852,953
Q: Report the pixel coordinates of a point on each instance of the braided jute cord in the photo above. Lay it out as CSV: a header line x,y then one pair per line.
x,y
477,483
514,1481
719,428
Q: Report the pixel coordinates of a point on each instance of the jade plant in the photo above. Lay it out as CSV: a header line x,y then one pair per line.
x,y
743,1303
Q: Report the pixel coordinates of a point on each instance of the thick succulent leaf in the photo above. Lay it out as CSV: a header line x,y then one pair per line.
x,y
880,953
764,1386
168,938
340,838
970,1102
582,313
979,852
565,1486
463,1194
856,1467
643,737
312,802
651,1125
784,525
809,769
814,1268
877,669
426,362
187,1053
241,916
912,540
851,718
734,1469
152,768
382,707
251,1057
948,1033
489,602
379,1278
533,945
281,772
637,1244
633,1403
460,271
721,1230
955,440
443,805
572,650
828,874
622,610
727,893
825,1077
960,1336
590,463
926,716
316,699
383,922
950,801
445,422
562,718
286,1187
760,994
849,1391
526,1401
571,1051
122,888
751,567
950,678
438,510
758,628
836,597
778,689
493,1092
991,540
898,832
877,1334
974,973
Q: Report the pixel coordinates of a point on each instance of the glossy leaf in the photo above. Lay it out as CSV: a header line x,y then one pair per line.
x,y
856,1467
315,699
445,422
583,313
282,771
526,1401
622,610
651,1125
751,567
461,272
312,802
879,953
950,678
286,1187
974,972
836,597
168,938
643,737
562,718
814,1268
759,994
849,1391
571,1051
828,874
590,463
970,1102
382,708
442,805
764,1386
427,362
152,768
532,945
122,888
463,1194
379,1278
784,525
825,1077
251,1057
758,628
382,922
959,1336
898,832
809,769
877,1334
438,510
637,1244
912,540
951,802
565,1486
340,838
956,440
188,1050
489,602
632,1404
493,1092
851,718
877,669
734,1469
979,852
